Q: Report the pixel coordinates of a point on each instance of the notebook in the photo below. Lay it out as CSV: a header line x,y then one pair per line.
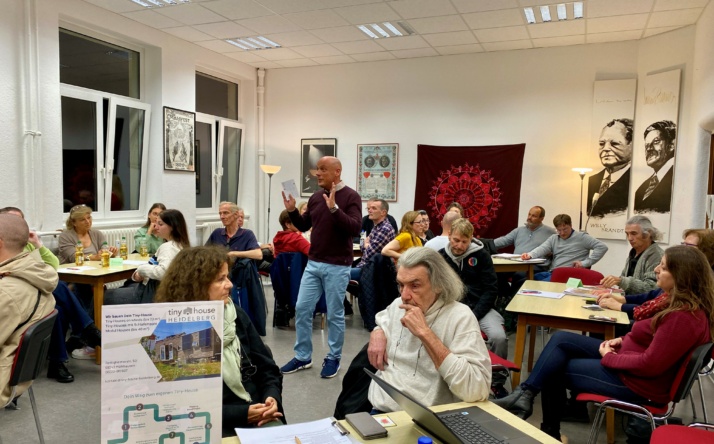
x,y
465,425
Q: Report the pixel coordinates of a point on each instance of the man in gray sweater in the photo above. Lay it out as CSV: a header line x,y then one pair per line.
x,y
569,248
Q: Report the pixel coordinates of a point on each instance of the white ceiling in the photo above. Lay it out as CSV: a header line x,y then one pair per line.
x,y
324,32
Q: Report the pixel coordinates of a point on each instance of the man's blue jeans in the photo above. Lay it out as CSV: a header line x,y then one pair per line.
x,y
333,280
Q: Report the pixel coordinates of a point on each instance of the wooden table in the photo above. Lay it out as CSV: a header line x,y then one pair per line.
x,y
565,313
502,265
406,431
97,277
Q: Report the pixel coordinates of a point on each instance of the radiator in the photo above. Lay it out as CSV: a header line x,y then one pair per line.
x,y
208,228
114,235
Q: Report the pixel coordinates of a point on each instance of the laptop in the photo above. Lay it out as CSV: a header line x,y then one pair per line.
x,y
465,425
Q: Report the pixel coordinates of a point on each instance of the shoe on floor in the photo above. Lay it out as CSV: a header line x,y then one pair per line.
x,y
92,336
73,343
84,353
294,365
58,371
330,368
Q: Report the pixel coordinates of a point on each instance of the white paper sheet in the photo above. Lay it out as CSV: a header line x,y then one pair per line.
x,y
79,269
541,294
290,189
315,432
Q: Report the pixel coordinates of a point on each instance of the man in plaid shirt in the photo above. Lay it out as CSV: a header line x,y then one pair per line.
x,y
381,234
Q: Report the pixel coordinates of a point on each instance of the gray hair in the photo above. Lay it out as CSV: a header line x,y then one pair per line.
x,y
383,205
443,279
646,224
231,205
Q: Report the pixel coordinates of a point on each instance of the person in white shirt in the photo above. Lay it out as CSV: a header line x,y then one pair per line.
x,y
440,242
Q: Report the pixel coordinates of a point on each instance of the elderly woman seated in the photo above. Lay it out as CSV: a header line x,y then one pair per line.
x,y
252,383
427,343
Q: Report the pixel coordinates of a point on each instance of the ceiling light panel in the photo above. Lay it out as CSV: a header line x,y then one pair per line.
x,y
547,13
253,43
386,29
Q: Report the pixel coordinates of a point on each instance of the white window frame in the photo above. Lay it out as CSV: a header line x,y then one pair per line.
x,y
105,166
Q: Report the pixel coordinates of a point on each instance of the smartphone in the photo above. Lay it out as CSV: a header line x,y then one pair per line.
x,y
366,426
593,307
602,318
591,301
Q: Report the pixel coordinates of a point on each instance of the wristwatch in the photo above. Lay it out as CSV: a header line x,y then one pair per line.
x,y
335,208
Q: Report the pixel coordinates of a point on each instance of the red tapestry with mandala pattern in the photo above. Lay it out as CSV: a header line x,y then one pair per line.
x,y
485,180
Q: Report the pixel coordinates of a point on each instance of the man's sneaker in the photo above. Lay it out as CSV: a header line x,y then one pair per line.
x,y
294,365
330,368
84,353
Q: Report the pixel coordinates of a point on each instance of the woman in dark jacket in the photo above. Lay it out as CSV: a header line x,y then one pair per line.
x,y
252,383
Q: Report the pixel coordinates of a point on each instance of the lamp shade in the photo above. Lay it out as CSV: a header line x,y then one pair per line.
x,y
270,169
582,171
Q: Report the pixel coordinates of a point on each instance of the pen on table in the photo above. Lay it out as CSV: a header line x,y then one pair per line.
x,y
72,268
297,440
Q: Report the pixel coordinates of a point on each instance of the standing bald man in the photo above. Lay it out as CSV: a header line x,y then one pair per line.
x,y
335,215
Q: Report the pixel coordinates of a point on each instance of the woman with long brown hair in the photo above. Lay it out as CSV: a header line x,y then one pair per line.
x,y
252,382
638,367
410,233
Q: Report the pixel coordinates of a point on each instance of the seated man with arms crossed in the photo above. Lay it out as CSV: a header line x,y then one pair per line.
x,y
569,248
426,343
638,276
381,234
26,285
240,241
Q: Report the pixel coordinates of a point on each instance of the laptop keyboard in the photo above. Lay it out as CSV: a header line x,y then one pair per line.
x,y
467,430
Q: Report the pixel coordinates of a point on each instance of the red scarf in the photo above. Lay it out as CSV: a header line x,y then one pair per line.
x,y
651,308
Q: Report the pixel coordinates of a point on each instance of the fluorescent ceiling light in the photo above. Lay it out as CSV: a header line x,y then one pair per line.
x,y
156,3
142,3
578,10
367,31
159,3
379,30
562,13
545,13
530,17
251,43
392,28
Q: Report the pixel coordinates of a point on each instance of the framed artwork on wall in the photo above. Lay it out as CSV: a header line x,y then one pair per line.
x,y
377,171
311,151
179,131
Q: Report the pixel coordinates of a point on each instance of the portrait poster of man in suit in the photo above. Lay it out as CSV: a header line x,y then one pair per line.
x,y
608,189
654,195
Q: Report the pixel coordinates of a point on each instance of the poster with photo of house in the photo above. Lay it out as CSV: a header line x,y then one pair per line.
x,y
377,171
161,372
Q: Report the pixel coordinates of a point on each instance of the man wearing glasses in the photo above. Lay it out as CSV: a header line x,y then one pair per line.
x,y
655,193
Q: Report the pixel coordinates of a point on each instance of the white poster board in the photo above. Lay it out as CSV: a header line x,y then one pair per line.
x,y
606,206
161,372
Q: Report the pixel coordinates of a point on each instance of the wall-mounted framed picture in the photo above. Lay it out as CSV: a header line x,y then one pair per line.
x,y
179,130
377,171
312,150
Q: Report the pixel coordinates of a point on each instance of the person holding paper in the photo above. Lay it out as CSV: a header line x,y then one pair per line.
x,y
252,383
640,367
426,342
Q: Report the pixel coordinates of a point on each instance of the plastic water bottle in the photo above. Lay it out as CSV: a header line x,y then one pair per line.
x,y
424,440
79,254
105,255
362,237
123,250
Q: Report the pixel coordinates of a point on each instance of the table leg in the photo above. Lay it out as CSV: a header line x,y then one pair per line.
x,y
531,271
520,348
531,346
98,302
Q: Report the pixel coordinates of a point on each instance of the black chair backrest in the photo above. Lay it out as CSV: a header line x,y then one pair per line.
x,y
32,350
698,359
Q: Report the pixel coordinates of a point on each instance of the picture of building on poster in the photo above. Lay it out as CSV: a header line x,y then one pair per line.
x,y
161,373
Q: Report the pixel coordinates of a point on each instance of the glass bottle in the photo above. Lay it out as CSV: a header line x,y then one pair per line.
x,y
123,250
79,254
106,254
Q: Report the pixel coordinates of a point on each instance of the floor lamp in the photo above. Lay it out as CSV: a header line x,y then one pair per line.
x,y
269,170
582,172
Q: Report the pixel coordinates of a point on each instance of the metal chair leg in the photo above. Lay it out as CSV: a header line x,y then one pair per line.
x,y
37,415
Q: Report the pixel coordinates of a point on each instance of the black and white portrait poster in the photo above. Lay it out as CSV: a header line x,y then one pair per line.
x,y
655,149
312,151
179,130
608,186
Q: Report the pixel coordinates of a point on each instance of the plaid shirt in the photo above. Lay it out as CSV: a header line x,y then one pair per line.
x,y
381,235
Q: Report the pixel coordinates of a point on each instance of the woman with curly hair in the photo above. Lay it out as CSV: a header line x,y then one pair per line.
x,y
252,383
410,233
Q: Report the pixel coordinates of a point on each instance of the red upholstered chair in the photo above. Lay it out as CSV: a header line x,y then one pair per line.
x,y
500,364
693,434
683,382
587,276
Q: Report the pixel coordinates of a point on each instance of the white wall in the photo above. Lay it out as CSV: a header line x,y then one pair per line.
x,y
169,71
542,97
